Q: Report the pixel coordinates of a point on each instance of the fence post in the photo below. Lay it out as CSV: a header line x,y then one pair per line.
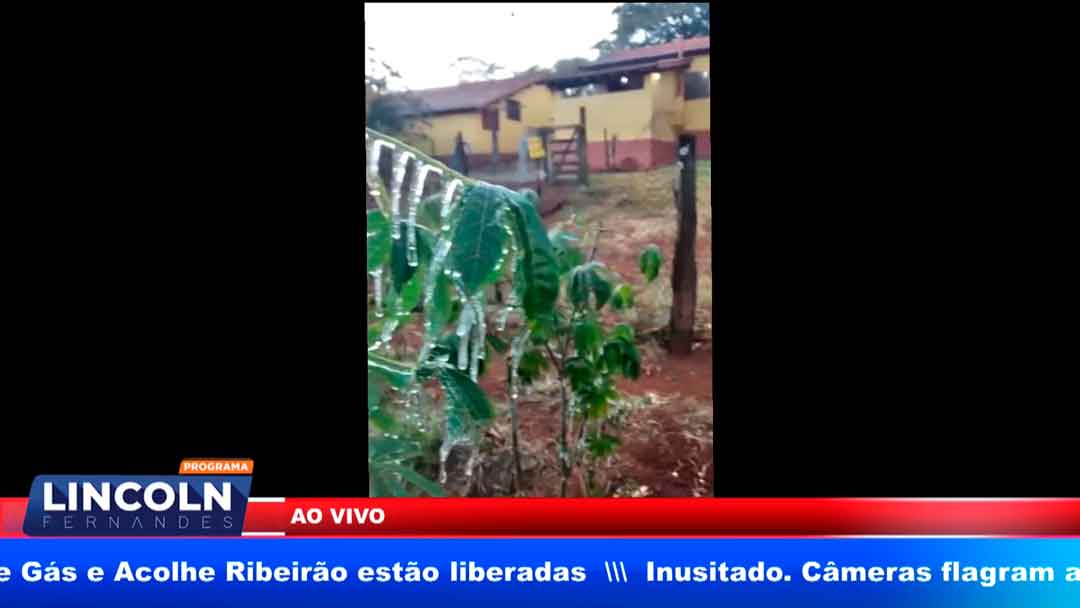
x,y
684,267
546,135
583,149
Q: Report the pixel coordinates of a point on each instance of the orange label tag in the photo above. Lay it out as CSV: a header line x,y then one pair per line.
x,y
217,466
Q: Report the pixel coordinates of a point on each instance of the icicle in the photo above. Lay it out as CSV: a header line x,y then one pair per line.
x,y
414,205
517,350
504,315
400,166
375,146
481,323
444,455
477,336
442,248
376,275
388,328
463,329
444,215
470,464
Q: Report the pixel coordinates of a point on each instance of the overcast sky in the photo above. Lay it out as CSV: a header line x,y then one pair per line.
x,y
421,40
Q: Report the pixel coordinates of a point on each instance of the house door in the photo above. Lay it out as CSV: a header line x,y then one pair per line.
x,y
686,151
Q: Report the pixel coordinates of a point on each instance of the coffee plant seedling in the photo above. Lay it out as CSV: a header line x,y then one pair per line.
x,y
586,356
432,257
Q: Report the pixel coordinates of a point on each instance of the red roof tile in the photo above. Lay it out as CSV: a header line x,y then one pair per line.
x,y
471,95
647,53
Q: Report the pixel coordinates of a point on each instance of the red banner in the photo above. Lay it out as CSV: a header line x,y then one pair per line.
x,y
643,517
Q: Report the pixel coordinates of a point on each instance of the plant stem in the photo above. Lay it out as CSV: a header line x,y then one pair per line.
x,y
564,449
513,427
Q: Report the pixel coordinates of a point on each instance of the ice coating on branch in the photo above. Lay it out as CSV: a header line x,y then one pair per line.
x,y
479,332
375,146
444,455
401,164
463,330
414,204
449,441
504,315
390,325
517,350
448,196
376,276
442,249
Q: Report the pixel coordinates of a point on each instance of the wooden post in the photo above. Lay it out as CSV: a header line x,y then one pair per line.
x,y
583,150
684,266
546,135
607,152
494,152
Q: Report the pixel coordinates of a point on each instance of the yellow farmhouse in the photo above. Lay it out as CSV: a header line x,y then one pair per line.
x,y
640,105
519,103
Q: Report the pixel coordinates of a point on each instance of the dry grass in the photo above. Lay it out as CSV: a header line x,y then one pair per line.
x,y
637,209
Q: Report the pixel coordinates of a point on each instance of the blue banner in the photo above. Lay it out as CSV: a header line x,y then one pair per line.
x,y
539,572
116,505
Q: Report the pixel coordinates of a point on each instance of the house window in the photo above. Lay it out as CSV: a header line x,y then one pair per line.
x,y
697,85
513,110
489,119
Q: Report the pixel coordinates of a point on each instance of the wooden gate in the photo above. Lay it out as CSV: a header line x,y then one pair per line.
x,y
567,151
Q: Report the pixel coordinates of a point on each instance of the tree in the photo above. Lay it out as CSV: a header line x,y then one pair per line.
x,y
568,66
474,69
650,23
534,71
388,105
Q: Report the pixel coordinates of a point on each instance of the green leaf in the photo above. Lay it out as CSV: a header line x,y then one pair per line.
x,y
442,306
383,484
378,239
562,240
479,236
579,371
376,414
532,364
623,331
570,259
623,298
497,343
631,361
541,268
580,286
588,279
389,449
418,480
601,445
396,374
544,327
448,346
400,270
464,395
587,336
613,356
650,261
601,287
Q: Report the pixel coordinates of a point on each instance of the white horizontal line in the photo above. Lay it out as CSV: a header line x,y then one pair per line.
x,y
262,534
276,499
